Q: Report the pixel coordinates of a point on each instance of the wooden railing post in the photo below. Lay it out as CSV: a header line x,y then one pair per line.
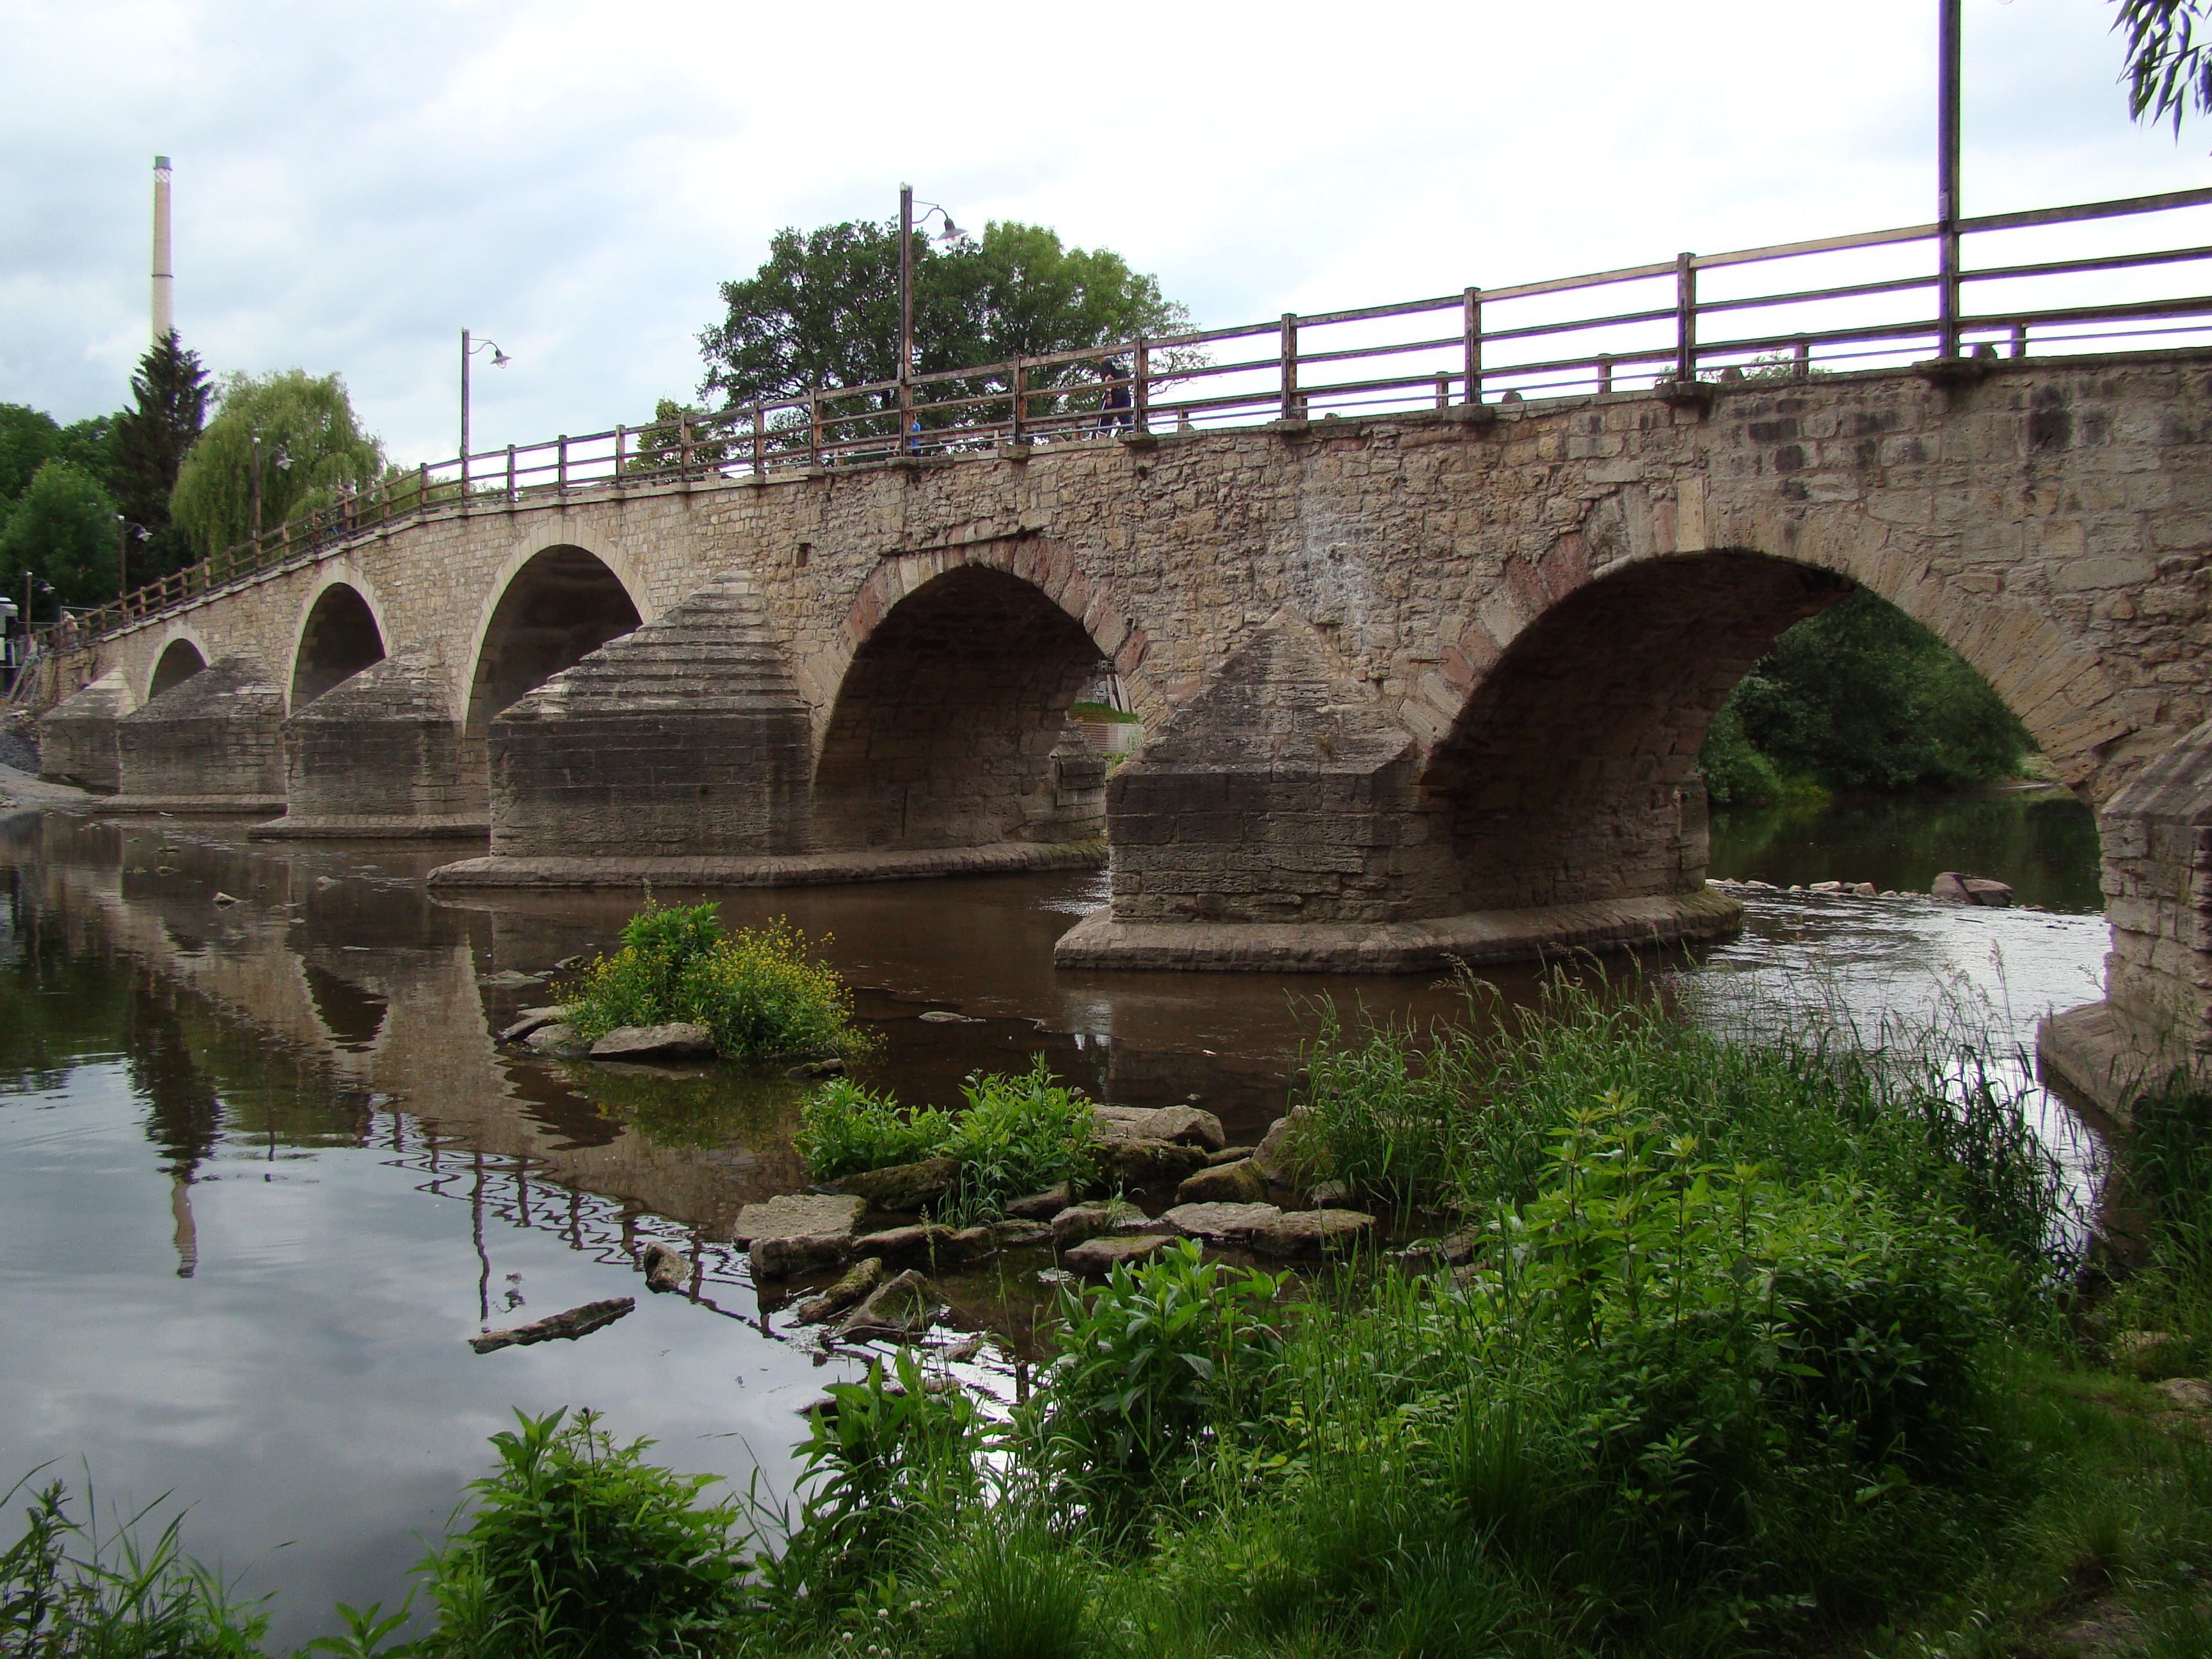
x,y
622,440
683,445
510,475
1470,326
1291,405
422,488
760,441
1020,397
2020,340
1144,388
561,467
1686,317
1443,388
1800,366
814,428
1604,372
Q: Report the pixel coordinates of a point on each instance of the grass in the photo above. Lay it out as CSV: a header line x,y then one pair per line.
x,y
763,992
1017,1133
1764,1348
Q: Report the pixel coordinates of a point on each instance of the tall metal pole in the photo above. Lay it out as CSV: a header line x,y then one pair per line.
x,y
1946,175
165,279
256,492
906,313
464,410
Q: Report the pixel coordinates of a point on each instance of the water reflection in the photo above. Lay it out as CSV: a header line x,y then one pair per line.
x,y
265,1167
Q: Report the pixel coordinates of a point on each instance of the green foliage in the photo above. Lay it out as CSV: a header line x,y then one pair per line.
x,y
1147,1361
762,991
823,310
2169,70
1861,697
674,431
311,447
169,395
843,1129
68,1589
1736,774
580,1549
1017,1132
62,531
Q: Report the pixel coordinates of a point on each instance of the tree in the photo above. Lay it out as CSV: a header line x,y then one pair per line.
x,y
311,445
62,531
151,440
823,310
28,438
2169,70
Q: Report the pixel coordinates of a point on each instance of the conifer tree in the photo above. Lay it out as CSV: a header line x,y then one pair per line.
x,y
172,390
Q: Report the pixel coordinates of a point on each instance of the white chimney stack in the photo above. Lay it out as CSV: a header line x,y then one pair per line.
x,y
164,280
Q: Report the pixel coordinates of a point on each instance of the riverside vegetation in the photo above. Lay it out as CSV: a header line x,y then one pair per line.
x,y
1759,1345
763,992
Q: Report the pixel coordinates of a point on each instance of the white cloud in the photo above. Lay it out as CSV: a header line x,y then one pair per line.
x,y
354,183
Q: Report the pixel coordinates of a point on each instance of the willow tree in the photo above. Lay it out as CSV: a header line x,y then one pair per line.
x,y
310,447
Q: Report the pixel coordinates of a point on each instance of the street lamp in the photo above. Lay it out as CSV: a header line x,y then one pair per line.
x,y
498,360
952,233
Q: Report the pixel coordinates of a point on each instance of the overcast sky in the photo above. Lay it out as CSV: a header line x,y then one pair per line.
x,y
354,183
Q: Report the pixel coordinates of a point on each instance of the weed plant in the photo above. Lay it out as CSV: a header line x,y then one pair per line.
x,y
763,992
1015,1133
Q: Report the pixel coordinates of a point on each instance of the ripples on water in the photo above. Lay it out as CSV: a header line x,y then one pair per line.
x,y
265,1170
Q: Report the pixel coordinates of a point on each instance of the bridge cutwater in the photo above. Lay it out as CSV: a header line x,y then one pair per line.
x,y
1424,608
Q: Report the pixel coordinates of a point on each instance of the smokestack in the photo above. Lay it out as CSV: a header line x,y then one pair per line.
x,y
165,281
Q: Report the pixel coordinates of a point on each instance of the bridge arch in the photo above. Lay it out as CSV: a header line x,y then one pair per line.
x,y
181,654
548,610
1568,772
950,726
340,631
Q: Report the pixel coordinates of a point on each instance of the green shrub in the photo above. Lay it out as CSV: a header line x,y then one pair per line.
x,y
68,1589
1017,1132
580,1549
762,991
1736,774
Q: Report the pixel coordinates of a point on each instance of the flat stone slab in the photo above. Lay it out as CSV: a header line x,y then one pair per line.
x,y
297,827
787,870
555,1039
899,1307
1225,1221
206,806
902,1186
798,1215
1147,1163
903,1243
677,1039
1309,1234
531,1019
1096,1257
1185,1124
1477,937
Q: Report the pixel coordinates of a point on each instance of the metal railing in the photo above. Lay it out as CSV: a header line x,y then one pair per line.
x,y
1662,326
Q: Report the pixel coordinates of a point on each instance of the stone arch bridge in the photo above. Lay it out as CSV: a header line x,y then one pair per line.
x,y
1414,685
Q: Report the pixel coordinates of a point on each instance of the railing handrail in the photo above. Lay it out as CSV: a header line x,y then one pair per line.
x,y
1122,394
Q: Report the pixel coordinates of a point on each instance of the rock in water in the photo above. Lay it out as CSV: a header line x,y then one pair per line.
x,y
1308,1235
555,1039
1242,1183
677,1039
577,1321
1095,1257
224,898
799,1230
1185,1124
1041,1206
666,1268
866,1275
1273,1156
1952,887
904,1244
533,1019
900,1307
1229,1221
1078,1222
1141,1164
902,1186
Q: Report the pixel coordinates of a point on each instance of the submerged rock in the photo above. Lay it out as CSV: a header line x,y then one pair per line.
x,y
677,1039
533,1019
1242,1182
556,1039
1148,1163
860,1281
902,1186
903,1243
1309,1234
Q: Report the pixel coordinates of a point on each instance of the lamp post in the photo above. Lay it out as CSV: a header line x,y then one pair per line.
x,y
1946,178
950,234
470,347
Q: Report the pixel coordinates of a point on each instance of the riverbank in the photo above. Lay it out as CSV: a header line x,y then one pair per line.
x,y
1742,1345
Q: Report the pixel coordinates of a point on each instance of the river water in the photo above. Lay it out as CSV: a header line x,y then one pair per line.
x,y
263,1168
